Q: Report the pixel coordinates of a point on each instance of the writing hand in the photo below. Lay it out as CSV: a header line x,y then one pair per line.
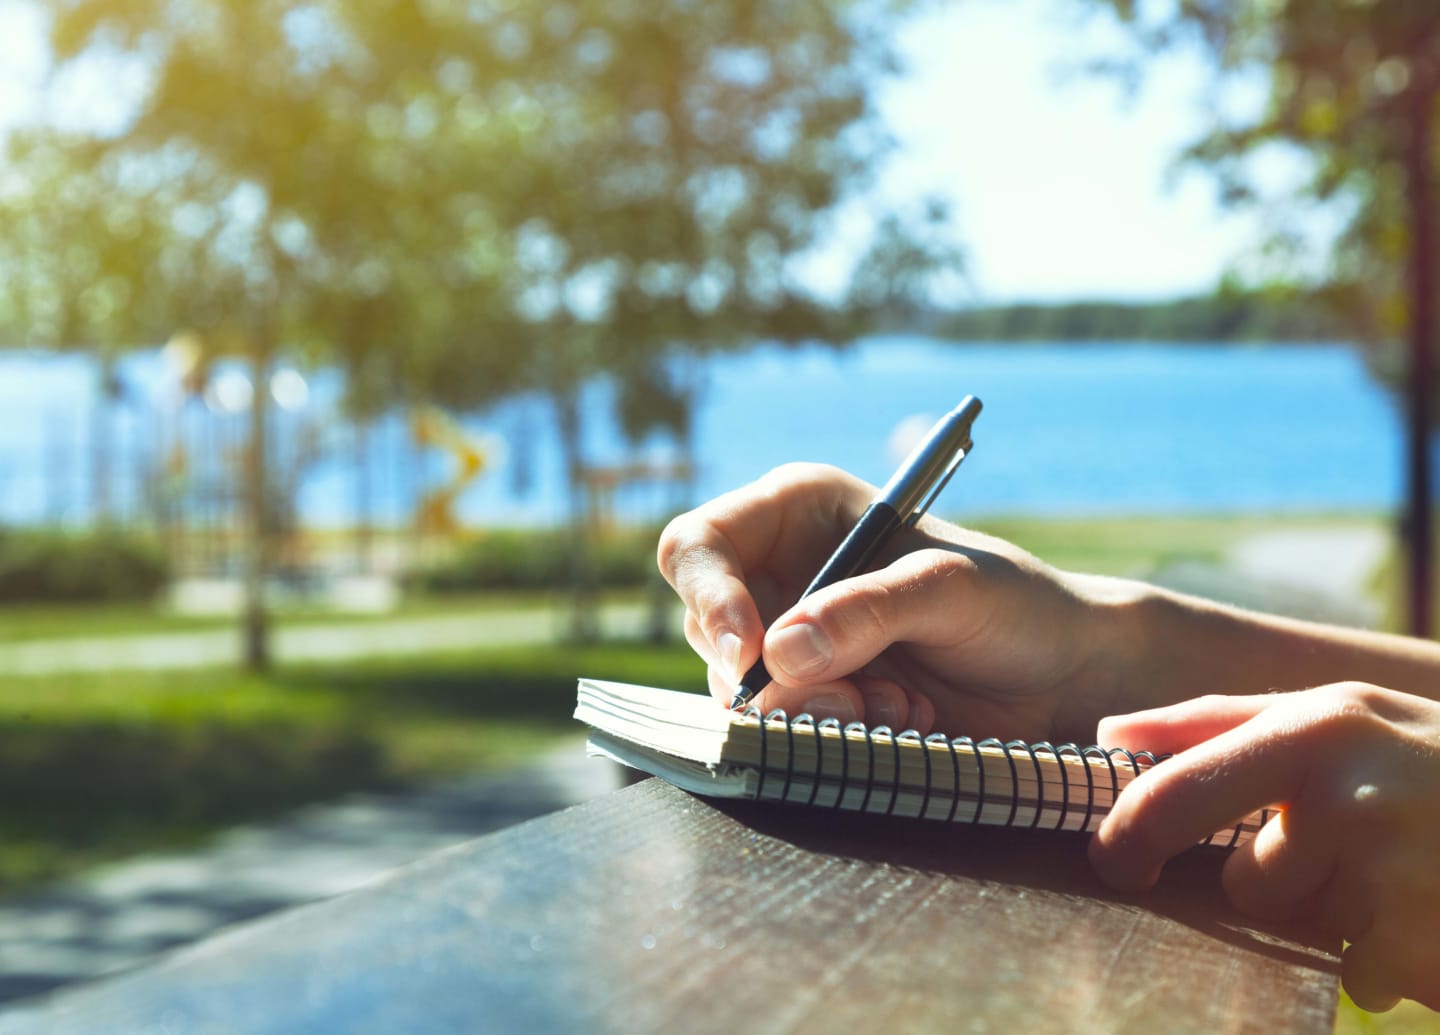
x,y
954,630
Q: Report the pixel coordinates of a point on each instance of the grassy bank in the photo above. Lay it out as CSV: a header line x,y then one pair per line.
x,y
97,767
1135,546
77,621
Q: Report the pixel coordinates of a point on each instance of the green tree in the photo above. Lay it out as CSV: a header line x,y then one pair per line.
x,y
1355,85
452,200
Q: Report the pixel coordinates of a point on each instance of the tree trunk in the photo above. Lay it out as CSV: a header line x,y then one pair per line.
x,y
100,443
584,620
659,627
364,527
1420,198
256,526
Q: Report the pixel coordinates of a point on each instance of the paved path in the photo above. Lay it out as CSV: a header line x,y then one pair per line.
x,y
318,642
1321,573
1336,561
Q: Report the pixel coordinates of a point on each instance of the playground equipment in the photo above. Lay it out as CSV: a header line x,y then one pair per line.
x,y
602,483
435,513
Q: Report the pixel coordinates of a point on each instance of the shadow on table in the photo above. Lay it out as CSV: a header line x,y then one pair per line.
x,y
1189,890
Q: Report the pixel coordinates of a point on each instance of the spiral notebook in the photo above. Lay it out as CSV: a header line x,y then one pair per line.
x,y
694,743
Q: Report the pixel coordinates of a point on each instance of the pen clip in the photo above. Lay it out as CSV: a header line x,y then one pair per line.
x,y
940,483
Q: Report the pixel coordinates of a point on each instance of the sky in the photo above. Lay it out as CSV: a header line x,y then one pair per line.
x,y
1061,183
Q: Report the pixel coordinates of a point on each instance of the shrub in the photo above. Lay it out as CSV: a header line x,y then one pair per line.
x,y
56,567
518,560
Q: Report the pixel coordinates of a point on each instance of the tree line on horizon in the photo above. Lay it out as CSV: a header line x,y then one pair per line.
x,y
1229,315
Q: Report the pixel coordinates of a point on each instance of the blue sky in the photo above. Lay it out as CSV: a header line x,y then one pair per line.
x,y
1064,185
1061,184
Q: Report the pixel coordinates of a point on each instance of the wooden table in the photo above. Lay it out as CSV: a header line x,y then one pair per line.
x,y
650,910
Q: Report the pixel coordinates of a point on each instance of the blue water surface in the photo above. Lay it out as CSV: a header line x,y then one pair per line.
x,y
1077,429
1067,430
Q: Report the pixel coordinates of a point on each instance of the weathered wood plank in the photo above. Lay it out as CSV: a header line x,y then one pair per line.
x,y
650,910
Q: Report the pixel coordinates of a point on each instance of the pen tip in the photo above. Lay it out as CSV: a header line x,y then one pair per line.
x,y
737,702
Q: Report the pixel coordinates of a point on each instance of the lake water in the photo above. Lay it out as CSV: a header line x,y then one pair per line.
x,y
1067,430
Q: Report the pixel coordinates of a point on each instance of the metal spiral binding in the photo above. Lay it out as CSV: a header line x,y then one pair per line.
x,y
895,746
805,718
1089,785
1040,780
1136,761
915,734
861,728
764,747
938,739
844,757
992,742
1087,753
1045,745
789,757
1234,836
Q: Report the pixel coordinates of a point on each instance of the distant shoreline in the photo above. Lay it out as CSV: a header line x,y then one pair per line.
x,y
1229,316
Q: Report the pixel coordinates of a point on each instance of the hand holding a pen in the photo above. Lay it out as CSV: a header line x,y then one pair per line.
x,y
947,629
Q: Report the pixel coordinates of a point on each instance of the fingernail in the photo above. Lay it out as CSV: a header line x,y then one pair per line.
x,y
831,706
801,650
922,714
880,710
728,647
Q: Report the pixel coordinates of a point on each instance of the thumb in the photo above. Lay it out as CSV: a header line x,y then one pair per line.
x,y
1173,728
840,629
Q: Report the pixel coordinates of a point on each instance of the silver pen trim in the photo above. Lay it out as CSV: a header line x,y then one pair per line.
x,y
932,463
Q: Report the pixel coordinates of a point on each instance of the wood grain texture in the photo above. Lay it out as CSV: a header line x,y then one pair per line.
x,y
650,910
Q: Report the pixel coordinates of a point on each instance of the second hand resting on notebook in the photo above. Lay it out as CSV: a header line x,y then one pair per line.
x,y
963,633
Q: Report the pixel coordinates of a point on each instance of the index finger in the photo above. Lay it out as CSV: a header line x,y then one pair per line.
x,y
777,526
1211,786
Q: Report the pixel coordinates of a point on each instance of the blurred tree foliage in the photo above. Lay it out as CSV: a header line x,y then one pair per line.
x,y
57,567
1355,86
1350,85
457,199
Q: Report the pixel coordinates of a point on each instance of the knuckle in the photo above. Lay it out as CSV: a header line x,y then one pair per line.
x,y
860,614
802,478
1346,711
686,545
1140,805
873,607
1212,702
799,472
676,539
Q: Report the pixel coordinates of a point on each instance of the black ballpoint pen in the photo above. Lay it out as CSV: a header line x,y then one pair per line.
x,y
906,496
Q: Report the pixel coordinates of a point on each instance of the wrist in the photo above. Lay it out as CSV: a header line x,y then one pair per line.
x,y
1113,647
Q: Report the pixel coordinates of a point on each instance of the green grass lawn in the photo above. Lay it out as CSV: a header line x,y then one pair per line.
x,y
99,766
1406,1019
52,622
1135,546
